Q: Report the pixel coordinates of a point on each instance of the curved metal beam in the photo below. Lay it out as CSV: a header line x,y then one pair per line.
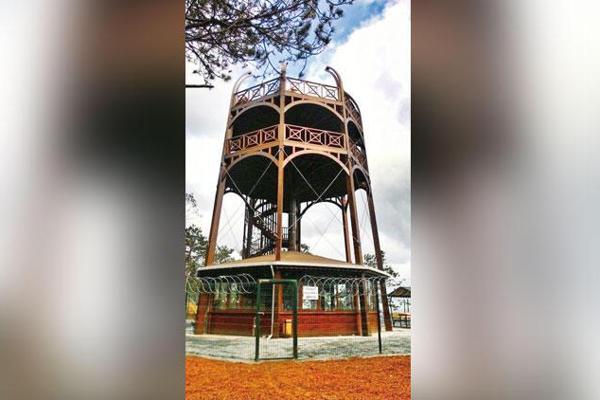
x,y
239,81
320,104
257,154
321,153
356,124
317,202
358,167
354,102
259,104
336,76
230,190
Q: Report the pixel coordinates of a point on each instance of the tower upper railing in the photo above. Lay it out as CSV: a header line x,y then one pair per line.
x,y
256,92
295,86
314,89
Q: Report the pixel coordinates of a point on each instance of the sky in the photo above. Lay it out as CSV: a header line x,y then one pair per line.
x,y
371,51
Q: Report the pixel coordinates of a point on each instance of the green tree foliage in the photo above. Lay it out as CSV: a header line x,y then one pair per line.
x,y
371,261
221,33
196,244
224,254
195,241
195,248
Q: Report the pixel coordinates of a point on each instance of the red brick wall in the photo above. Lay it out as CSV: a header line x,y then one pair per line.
x,y
310,323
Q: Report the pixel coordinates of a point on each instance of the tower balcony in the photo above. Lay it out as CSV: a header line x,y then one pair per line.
x,y
294,135
254,140
297,90
353,110
317,138
310,138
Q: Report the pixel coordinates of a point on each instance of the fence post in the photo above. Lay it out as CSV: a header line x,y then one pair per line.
x,y
257,322
378,317
295,320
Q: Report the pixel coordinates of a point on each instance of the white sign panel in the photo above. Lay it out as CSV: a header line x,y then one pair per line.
x,y
310,293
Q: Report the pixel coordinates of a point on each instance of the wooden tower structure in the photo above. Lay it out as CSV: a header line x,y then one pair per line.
x,y
290,144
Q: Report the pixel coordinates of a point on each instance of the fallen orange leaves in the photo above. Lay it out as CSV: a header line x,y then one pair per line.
x,y
359,378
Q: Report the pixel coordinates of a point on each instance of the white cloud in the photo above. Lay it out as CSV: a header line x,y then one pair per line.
x,y
374,63
368,2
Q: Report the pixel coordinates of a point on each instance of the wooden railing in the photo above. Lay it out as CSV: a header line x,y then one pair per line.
x,y
252,139
271,87
358,154
295,133
307,88
353,110
257,92
314,136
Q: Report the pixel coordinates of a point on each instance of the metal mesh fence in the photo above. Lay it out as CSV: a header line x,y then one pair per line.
x,y
341,320
276,320
235,317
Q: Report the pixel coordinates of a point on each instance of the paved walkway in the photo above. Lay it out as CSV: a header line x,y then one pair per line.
x,y
331,347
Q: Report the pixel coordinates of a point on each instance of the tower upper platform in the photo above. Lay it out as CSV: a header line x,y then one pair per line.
x,y
298,89
291,144
309,121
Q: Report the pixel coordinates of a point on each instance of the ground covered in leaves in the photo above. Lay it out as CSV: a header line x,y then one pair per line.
x,y
358,378
321,348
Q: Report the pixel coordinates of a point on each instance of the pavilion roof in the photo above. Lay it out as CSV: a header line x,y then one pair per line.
x,y
292,258
402,291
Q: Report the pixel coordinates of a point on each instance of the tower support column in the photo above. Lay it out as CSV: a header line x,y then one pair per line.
x,y
280,176
358,258
205,301
280,163
298,227
356,305
216,218
278,303
292,225
346,232
351,199
364,307
249,230
378,256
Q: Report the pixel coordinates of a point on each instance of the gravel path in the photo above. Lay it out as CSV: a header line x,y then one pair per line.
x,y
331,347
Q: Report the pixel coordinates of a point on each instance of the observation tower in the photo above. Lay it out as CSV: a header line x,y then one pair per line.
x,y
290,144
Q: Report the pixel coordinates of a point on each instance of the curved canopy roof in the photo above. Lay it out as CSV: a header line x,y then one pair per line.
x,y
292,258
402,291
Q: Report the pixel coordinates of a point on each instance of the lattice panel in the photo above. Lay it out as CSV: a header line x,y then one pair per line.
x,y
257,92
308,88
353,111
252,139
358,155
314,136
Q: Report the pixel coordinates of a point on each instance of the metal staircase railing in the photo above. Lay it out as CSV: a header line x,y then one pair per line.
x,y
265,236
